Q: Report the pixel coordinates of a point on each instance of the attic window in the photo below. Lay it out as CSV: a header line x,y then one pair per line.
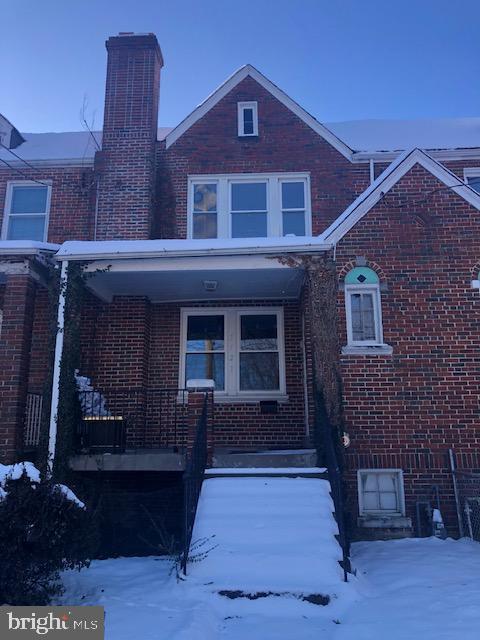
x,y
247,119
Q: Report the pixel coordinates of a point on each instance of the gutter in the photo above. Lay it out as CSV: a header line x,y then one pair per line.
x,y
190,253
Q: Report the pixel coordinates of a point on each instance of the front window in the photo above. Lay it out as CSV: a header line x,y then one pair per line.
x,y
249,206
363,308
240,349
380,492
26,211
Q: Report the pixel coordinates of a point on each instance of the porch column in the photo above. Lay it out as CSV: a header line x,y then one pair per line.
x,y
15,343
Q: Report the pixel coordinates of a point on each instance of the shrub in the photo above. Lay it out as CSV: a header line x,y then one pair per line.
x,y
43,530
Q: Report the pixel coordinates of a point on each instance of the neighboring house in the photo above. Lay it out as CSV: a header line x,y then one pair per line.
x,y
189,234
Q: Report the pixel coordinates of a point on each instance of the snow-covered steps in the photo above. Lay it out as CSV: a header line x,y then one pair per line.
x,y
266,534
273,458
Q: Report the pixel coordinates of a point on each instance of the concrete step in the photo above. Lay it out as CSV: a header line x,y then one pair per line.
x,y
267,472
301,458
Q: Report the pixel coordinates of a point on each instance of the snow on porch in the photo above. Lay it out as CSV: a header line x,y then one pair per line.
x,y
267,534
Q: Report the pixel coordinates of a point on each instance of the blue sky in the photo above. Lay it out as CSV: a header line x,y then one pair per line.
x,y
340,59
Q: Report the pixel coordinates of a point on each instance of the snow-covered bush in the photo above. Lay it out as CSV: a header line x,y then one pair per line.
x,y
44,528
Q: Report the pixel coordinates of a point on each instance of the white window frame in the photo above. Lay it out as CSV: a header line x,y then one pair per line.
x,y
232,317
241,106
471,172
400,493
274,199
8,203
374,289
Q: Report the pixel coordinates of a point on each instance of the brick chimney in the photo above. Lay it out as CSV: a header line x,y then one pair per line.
x,y
126,164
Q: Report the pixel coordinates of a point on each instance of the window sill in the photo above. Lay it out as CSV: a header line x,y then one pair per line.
x,y
374,350
377,521
224,399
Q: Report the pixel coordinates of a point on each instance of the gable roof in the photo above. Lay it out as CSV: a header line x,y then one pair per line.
x,y
386,180
282,97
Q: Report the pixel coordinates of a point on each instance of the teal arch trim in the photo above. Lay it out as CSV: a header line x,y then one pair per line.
x,y
361,275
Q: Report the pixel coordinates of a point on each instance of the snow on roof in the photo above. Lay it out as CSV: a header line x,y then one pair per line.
x,y
398,135
107,249
360,135
69,145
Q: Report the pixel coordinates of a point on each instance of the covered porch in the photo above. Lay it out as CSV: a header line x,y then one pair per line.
x,y
161,313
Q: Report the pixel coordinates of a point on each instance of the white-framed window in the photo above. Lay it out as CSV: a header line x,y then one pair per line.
x,y
249,205
363,308
241,349
247,119
471,175
381,492
27,206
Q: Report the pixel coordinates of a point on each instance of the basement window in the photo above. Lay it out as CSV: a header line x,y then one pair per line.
x,y
247,119
27,207
380,492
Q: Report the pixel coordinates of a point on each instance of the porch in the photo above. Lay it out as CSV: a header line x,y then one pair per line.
x,y
153,322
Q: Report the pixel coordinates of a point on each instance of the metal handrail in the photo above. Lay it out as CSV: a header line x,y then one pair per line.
x,y
192,481
326,452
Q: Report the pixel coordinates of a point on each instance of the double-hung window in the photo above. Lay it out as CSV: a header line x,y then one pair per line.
x,y
380,492
247,119
363,308
27,206
240,349
249,206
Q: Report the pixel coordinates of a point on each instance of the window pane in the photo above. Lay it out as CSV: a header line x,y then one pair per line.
x,y
294,223
249,225
474,182
248,121
249,196
258,332
205,197
386,482
363,316
26,228
205,333
206,366
29,200
370,501
370,482
259,372
388,502
293,195
204,225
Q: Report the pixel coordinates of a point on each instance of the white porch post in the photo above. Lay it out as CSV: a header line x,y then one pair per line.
x,y
52,435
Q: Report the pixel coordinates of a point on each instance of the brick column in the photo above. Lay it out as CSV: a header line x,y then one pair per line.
x,y
15,342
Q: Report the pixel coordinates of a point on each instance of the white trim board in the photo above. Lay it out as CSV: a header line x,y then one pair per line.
x,y
388,179
230,83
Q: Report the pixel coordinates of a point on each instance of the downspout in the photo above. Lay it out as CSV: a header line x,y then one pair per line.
x,y
372,171
97,191
52,434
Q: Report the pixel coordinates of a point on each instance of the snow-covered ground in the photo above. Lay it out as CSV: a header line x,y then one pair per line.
x,y
415,589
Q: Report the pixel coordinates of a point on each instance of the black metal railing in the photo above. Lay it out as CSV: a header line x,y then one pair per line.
x,y
192,480
326,442
142,418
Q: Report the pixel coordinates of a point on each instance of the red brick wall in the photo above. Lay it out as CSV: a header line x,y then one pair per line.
x,y
127,356
71,208
424,398
284,143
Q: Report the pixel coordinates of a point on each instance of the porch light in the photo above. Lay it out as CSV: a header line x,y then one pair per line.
x,y
210,285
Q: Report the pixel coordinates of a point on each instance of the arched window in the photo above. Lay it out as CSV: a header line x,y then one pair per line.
x,y
363,308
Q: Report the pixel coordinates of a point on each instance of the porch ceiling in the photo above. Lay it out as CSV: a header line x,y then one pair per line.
x,y
189,279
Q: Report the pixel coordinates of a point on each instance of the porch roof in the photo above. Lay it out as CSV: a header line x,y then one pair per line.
x,y
193,270
111,249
